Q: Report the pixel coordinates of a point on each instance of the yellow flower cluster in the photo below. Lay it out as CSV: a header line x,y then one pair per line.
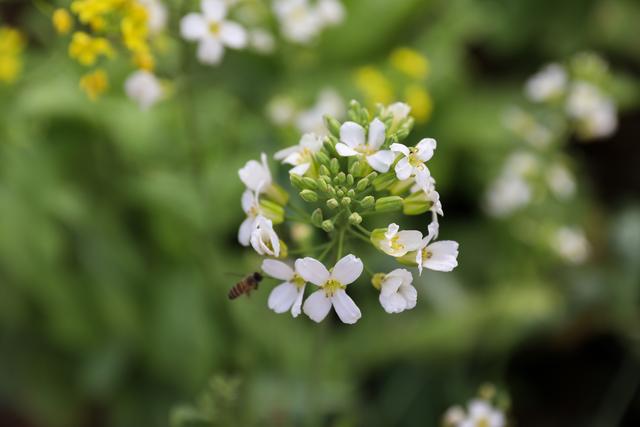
x,y
404,79
11,46
108,22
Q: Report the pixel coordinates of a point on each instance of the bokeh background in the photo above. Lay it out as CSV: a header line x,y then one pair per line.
x,y
118,233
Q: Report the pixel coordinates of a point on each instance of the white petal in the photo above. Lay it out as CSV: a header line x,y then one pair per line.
x,y
247,200
390,285
210,51
297,304
345,151
317,306
282,297
400,148
345,308
277,269
255,175
376,134
410,295
311,141
382,160
214,10
352,134
392,303
312,270
426,147
300,169
444,255
403,169
233,35
411,239
348,269
286,152
244,232
193,27
392,230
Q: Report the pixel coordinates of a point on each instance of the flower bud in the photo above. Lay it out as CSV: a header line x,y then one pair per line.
x,y
296,181
383,181
277,194
329,144
340,178
368,202
334,166
332,203
310,183
356,168
372,176
355,218
309,196
388,204
322,185
340,193
362,184
416,204
377,279
322,158
350,180
324,171
316,217
327,225
400,187
351,193
272,210
332,125
346,201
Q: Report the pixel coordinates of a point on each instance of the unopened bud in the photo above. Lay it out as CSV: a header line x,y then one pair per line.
x,y
351,193
309,196
346,201
340,178
272,210
296,181
332,125
327,225
324,170
368,202
322,158
355,218
340,193
389,204
334,166
382,182
350,180
329,144
277,194
316,217
356,168
362,184
332,203
310,183
322,185
416,204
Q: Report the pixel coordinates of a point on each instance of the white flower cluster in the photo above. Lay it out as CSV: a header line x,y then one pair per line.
x,y
359,169
479,413
282,111
302,20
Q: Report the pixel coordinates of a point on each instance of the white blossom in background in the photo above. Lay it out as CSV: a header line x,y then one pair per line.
x,y
507,194
329,103
438,256
397,243
547,84
525,126
561,181
454,416
264,239
301,20
332,288
287,295
397,292
301,155
353,143
481,413
144,88
595,113
250,202
281,110
331,12
412,162
262,41
212,31
255,175
157,15
571,244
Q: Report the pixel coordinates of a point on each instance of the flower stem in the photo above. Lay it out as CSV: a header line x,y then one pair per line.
x,y
364,230
354,233
340,243
326,251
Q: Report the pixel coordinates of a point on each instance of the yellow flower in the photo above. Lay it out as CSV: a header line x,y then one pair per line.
x,y
411,62
144,60
86,49
94,84
61,21
374,85
11,45
420,102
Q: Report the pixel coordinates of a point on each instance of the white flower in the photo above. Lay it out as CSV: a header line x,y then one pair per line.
x,y
299,22
596,114
281,110
262,41
300,155
264,239
454,416
439,256
331,12
527,127
332,288
434,197
157,15
482,414
144,88
398,243
398,110
506,194
561,181
396,292
212,31
287,295
352,143
412,164
571,244
251,206
547,84
256,175
329,103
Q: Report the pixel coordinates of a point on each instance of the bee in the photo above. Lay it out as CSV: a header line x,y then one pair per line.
x,y
246,285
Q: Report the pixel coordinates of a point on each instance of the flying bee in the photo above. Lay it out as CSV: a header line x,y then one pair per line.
x,y
246,285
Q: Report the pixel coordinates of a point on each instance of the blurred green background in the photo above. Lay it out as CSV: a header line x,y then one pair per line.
x,y
118,228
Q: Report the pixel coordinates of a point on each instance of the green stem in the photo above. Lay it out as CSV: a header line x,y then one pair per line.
x,y
313,249
359,236
364,230
340,244
326,251
297,219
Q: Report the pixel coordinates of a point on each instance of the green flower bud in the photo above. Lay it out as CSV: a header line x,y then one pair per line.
x,y
272,210
388,204
340,178
355,218
296,181
340,193
372,176
324,170
322,185
277,194
416,204
332,125
329,144
400,187
384,181
351,193
405,129
327,225
332,203
377,279
309,196
322,158
362,184
356,168
346,201
350,180
368,202
316,217
334,166
310,183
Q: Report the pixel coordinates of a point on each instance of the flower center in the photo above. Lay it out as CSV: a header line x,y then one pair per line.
x,y
331,286
395,244
483,422
298,281
414,160
426,255
214,28
365,149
